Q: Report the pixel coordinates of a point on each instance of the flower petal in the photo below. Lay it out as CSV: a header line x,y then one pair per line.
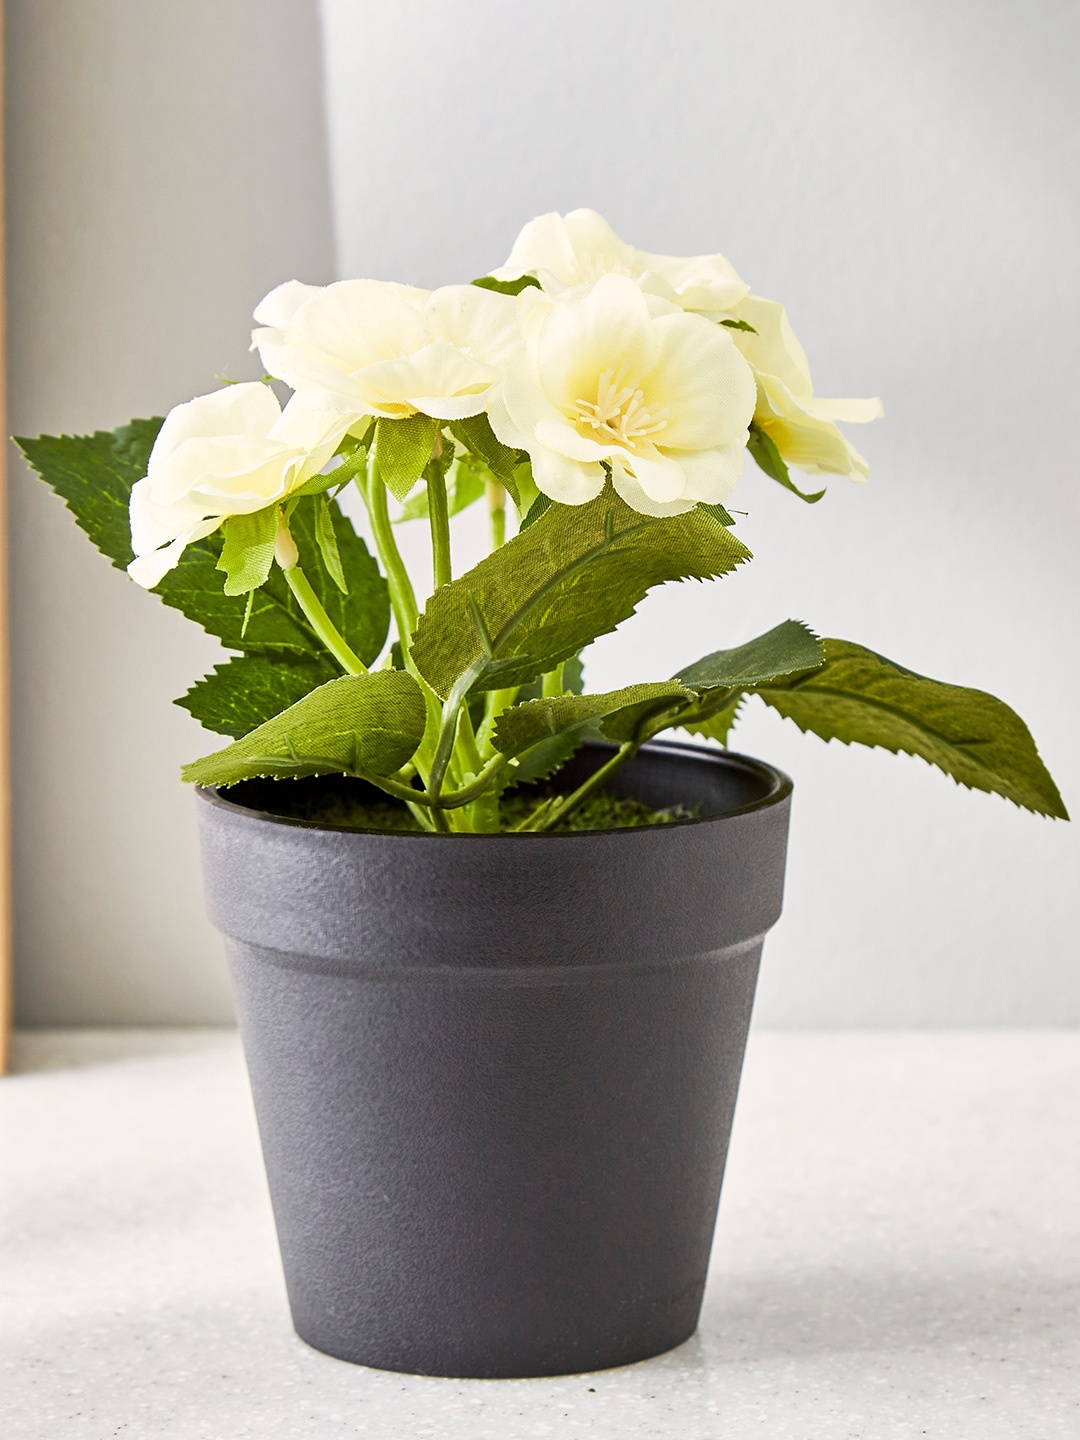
x,y
711,475
659,475
555,433
606,329
816,446
774,349
703,383
278,308
481,322
570,482
502,423
566,250
437,373
151,568
701,282
849,412
635,496
251,408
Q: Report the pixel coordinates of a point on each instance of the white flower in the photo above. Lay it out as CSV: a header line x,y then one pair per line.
x,y
612,374
563,251
232,452
800,423
370,347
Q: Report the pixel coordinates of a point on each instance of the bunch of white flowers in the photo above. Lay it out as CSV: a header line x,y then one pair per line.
x,y
611,395
609,361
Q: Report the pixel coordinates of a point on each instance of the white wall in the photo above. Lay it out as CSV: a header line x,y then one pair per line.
x,y
905,178
166,167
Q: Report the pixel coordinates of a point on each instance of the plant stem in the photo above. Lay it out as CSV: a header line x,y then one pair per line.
x,y
496,499
321,623
448,732
439,515
551,684
402,602
402,595
595,782
495,702
472,792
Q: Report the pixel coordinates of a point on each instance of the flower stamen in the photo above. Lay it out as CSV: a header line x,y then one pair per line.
x,y
621,412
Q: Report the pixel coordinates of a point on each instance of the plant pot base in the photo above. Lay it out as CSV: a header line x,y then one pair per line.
x,y
495,1075
523,1173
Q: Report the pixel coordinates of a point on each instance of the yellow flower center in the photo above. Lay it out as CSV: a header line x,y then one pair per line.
x,y
621,412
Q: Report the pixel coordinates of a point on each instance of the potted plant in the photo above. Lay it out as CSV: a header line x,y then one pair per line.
x,y
495,948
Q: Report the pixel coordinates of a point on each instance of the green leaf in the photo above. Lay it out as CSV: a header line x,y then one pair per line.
x,y
277,626
349,468
363,614
719,513
402,449
248,551
327,541
620,711
573,675
357,725
763,448
284,658
540,506
739,325
716,726
574,574
465,483
525,487
476,434
546,757
93,475
250,689
506,287
781,651
859,697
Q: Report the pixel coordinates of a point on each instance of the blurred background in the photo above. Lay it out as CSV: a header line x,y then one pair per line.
x,y
903,178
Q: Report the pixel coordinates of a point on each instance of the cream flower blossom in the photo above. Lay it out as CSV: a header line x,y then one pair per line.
x,y
611,375
800,423
371,347
563,251
231,452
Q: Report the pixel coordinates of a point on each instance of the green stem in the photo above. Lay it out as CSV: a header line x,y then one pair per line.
x,y
495,702
473,791
496,498
448,732
402,595
402,603
551,684
595,782
439,515
648,726
321,623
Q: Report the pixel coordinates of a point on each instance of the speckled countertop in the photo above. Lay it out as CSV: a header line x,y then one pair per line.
x,y
898,1255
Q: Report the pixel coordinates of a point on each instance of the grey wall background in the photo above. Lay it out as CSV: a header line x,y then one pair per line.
x,y
166,166
903,177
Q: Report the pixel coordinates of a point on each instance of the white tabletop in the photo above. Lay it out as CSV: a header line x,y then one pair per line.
x,y
898,1255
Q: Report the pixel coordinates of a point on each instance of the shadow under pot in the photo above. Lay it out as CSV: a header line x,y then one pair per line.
x,y
495,1075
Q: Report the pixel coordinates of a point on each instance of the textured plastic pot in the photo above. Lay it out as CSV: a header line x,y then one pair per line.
x,y
495,1075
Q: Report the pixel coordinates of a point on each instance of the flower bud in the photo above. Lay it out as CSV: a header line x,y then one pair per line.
x,y
285,551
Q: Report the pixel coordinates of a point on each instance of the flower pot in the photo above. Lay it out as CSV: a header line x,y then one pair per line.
x,y
495,1074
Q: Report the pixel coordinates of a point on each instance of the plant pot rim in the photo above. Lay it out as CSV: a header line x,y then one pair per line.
x,y
779,787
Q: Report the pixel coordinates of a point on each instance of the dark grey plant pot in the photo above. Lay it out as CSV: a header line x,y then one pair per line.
x,y
495,1074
